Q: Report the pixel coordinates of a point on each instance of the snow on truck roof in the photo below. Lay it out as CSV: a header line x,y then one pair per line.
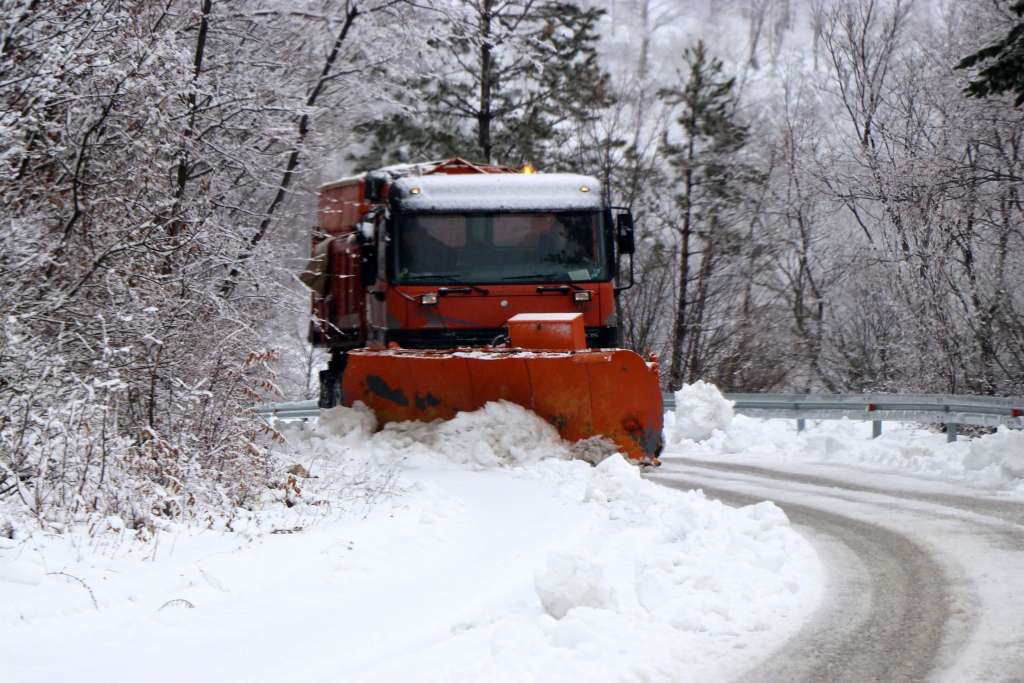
x,y
498,191
396,171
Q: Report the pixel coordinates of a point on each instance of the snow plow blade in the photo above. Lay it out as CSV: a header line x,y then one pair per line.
x,y
612,393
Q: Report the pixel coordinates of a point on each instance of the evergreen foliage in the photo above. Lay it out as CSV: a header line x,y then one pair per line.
x,y
705,161
1004,72
711,178
515,79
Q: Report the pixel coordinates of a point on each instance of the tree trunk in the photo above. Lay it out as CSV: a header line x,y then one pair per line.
x,y
645,40
183,153
676,369
675,374
484,114
695,328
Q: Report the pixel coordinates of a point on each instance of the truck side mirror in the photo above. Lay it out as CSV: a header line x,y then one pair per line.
x,y
367,251
624,233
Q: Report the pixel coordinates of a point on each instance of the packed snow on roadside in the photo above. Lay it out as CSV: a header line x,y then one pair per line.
x,y
467,550
703,426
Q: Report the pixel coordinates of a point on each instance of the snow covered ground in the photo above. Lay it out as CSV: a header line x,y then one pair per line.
x,y
474,549
461,551
704,427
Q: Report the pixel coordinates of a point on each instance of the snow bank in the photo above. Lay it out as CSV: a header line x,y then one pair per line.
x,y
640,582
572,580
700,411
1002,452
500,433
675,569
353,424
992,461
490,555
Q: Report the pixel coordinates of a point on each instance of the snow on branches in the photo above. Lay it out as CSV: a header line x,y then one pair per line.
x,y
149,154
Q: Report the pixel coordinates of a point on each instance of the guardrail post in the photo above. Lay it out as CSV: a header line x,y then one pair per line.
x,y
801,424
876,429
951,430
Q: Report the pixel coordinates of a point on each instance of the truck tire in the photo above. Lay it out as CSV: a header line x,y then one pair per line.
x,y
330,380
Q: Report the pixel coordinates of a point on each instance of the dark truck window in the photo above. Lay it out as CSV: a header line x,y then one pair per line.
x,y
501,247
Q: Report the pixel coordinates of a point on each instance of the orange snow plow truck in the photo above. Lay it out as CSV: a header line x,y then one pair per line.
x,y
438,287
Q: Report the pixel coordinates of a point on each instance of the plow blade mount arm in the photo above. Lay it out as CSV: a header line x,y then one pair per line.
x,y
611,392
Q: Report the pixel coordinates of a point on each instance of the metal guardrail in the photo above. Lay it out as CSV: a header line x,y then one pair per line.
x,y
290,410
951,410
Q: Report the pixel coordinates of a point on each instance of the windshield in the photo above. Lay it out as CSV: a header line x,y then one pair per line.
x,y
501,247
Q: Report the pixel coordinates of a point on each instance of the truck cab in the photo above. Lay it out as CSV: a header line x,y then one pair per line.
x,y
442,258
463,254
419,272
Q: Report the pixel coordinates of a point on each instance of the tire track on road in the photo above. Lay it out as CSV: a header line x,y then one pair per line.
x,y
887,613
1009,511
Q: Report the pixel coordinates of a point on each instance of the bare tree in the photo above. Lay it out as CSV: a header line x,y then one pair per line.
x,y
146,149
927,178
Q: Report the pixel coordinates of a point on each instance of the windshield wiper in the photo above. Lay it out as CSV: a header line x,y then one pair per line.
x,y
430,276
535,276
466,287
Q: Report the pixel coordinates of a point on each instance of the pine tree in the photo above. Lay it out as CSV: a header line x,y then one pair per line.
x,y
514,79
711,178
1005,58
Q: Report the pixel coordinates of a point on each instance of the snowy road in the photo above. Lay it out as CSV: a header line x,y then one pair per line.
x,y
925,579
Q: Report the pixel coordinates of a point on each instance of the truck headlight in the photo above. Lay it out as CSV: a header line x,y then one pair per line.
x,y
428,299
581,296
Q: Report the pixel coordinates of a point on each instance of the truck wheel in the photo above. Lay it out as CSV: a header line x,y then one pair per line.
x,y
330,380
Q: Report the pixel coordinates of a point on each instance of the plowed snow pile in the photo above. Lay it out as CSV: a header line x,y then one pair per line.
x,y
703,426
467,550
